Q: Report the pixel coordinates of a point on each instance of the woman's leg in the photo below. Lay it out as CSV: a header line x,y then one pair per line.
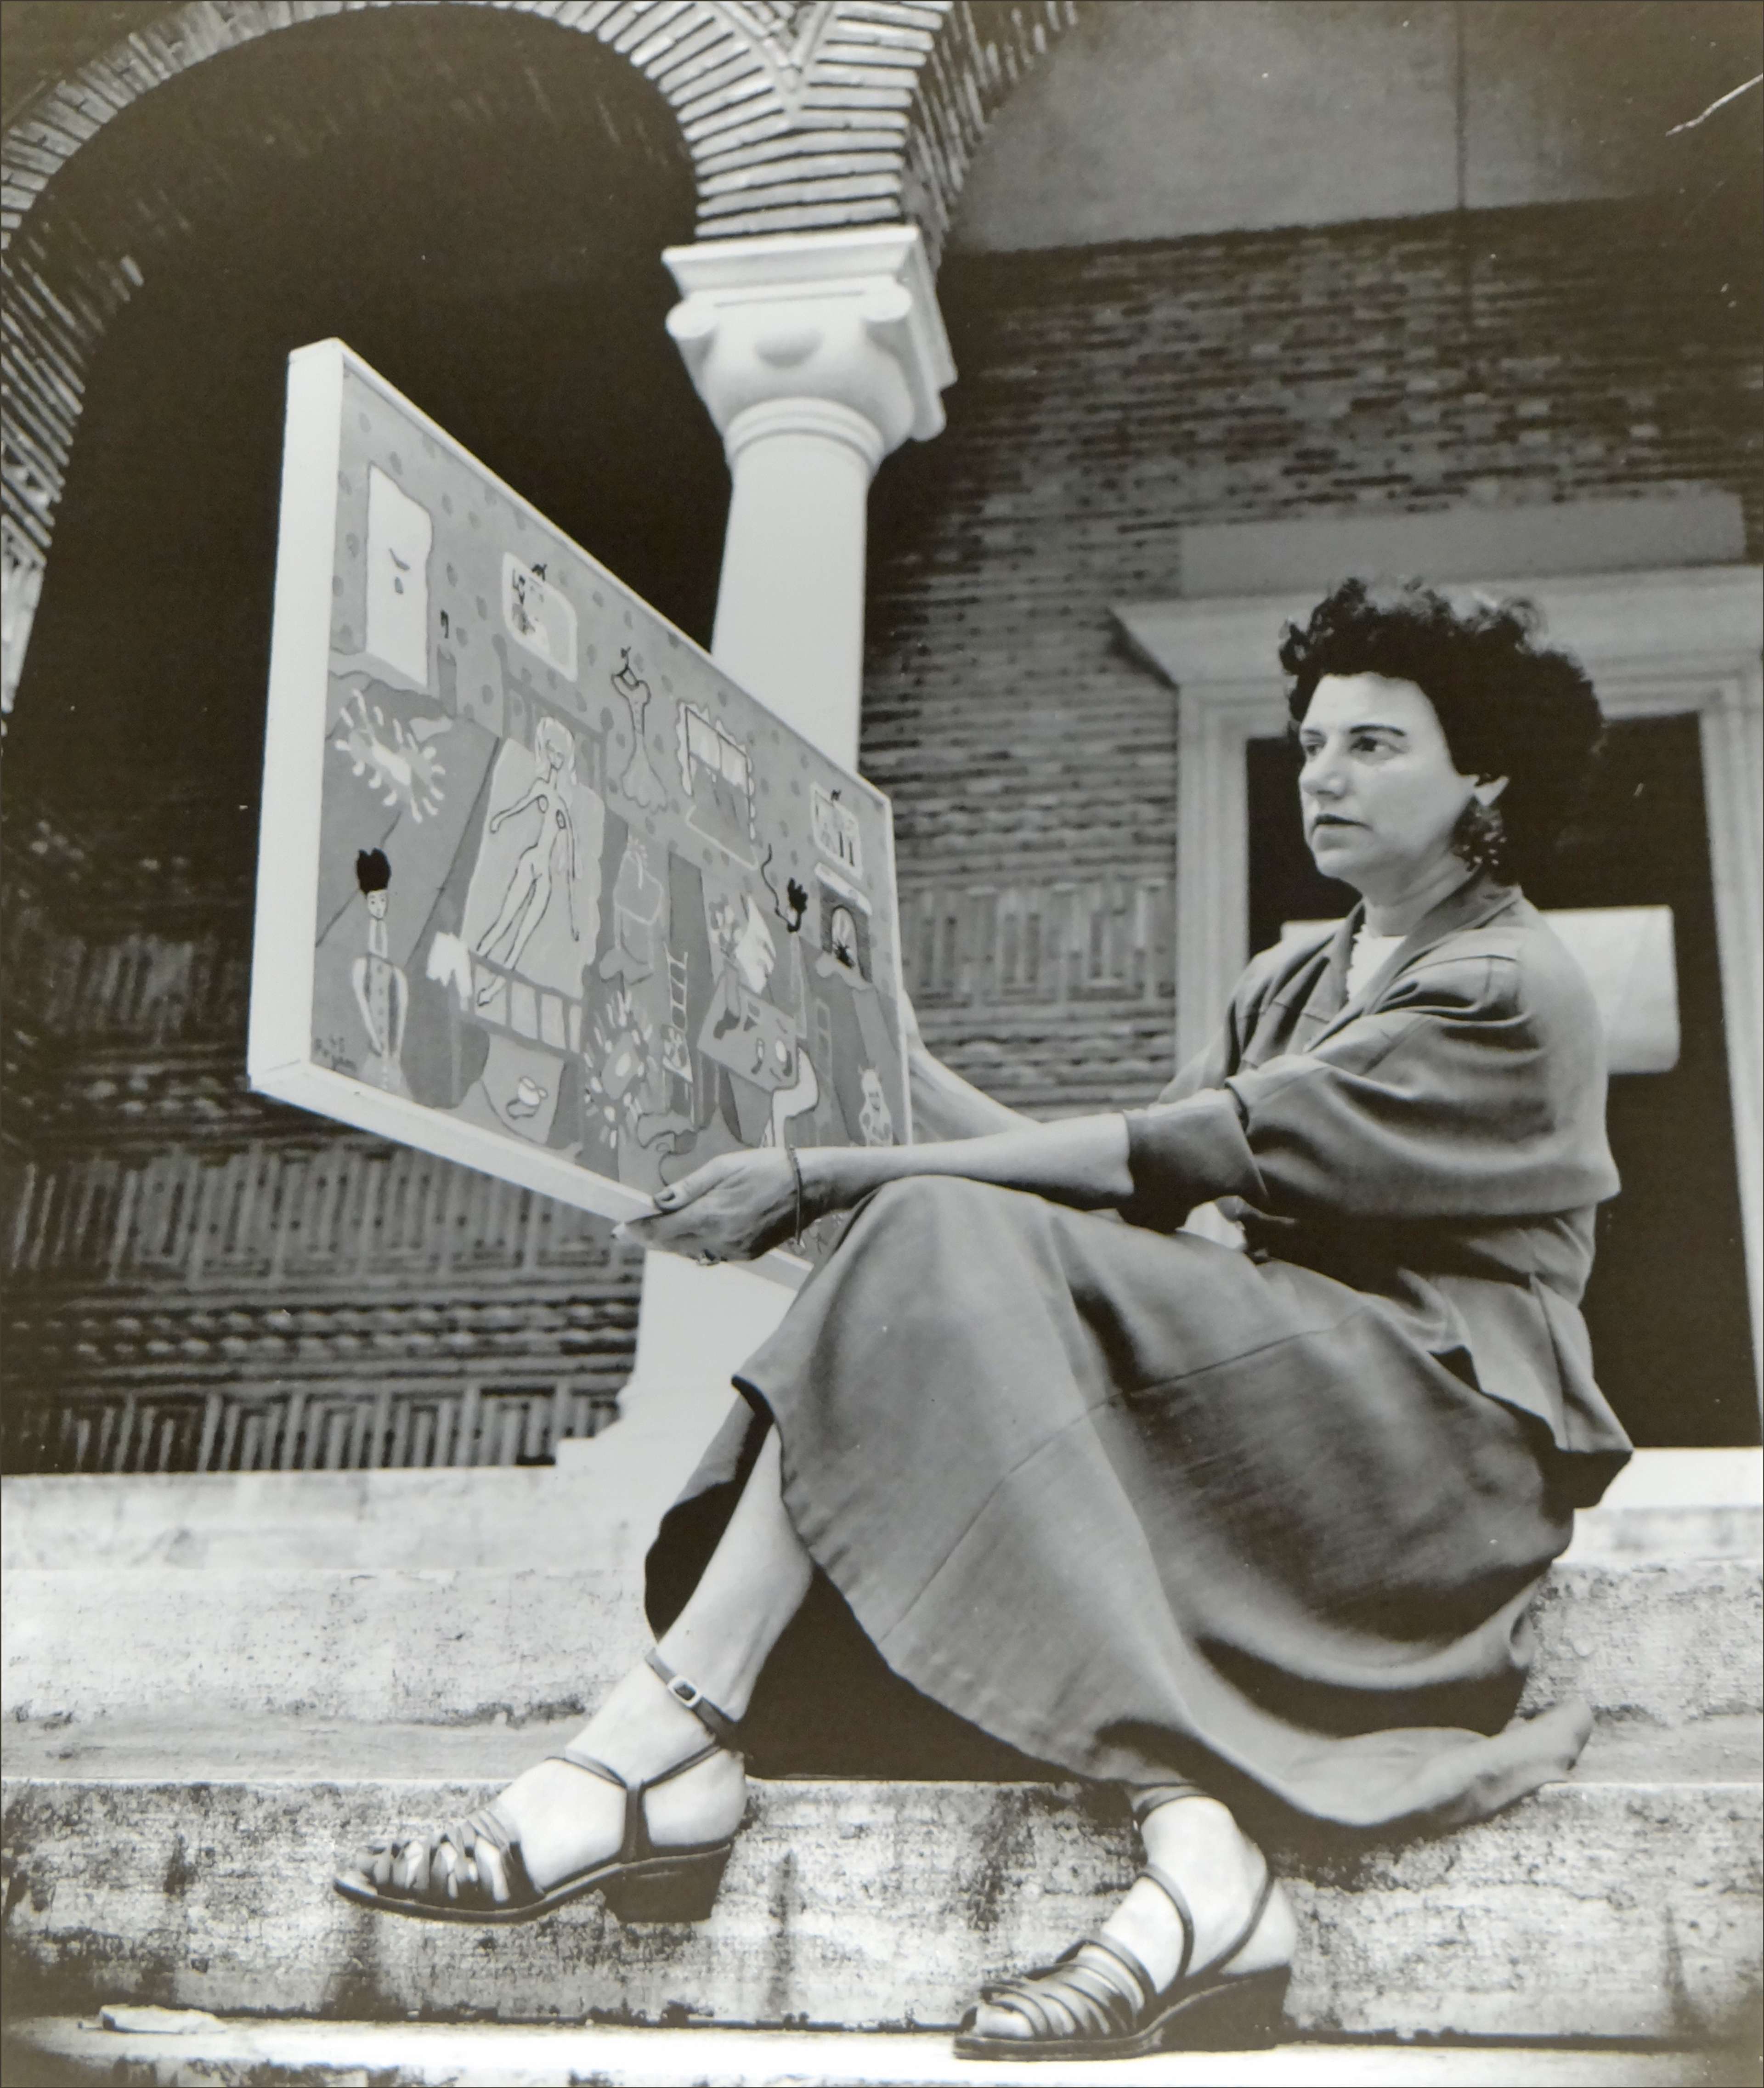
x,y
1220,1869
753,1585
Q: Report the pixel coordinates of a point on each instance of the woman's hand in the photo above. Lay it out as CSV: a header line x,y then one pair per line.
x,y
745,1204
733,1208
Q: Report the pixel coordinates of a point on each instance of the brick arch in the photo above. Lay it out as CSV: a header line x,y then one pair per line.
x,y
797,115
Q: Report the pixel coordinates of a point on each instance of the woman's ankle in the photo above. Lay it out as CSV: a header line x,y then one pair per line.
x,y
1201,1832
642,1729
1222,1874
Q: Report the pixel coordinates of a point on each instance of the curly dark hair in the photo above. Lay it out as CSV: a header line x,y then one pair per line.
x,y
1508,706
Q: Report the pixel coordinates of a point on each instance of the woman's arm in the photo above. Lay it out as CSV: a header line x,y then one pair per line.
x,y
945,1105
1081,1160
744,1204
1474,1090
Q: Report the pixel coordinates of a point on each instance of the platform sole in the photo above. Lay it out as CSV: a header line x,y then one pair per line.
x,y
662,1888
1240,2014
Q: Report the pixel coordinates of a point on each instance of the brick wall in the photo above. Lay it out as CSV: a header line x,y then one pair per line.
x,y
197,1277
1107,397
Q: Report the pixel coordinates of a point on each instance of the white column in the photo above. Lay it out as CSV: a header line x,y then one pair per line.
x,y
816,353
801,470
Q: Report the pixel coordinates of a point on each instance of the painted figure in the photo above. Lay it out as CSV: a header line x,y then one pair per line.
x,y
382,991
875,1120
548,860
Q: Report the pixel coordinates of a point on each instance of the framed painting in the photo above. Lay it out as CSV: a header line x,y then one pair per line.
x,y
540,889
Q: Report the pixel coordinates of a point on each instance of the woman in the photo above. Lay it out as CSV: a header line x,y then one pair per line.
x,y
1251,1533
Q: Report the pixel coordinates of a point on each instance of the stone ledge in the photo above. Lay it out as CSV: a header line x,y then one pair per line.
x,y
192,1871
510,1519
1662,1645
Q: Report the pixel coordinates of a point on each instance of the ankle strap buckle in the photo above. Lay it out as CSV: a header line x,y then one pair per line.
x,y
720,1726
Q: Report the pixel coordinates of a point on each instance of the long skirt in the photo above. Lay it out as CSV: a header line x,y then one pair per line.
x,y
1085,1497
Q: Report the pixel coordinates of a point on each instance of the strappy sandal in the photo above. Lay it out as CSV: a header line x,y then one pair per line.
x,y
641,1883
1114,2010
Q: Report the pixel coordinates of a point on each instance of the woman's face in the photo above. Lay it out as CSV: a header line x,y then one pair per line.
x,y
1379,790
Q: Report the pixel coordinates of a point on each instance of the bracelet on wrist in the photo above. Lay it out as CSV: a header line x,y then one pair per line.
x,y
796,1176
818,1191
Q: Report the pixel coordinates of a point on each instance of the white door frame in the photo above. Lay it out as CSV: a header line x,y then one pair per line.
x,y
1685,641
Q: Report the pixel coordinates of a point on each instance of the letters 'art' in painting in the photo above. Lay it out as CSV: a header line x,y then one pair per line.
x,y
542,889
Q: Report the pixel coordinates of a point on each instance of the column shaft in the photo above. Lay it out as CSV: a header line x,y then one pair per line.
x,y
789,608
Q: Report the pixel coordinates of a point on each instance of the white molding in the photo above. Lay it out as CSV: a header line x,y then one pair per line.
x,y
1215,722
849,316
1699,615
1658,643
790,259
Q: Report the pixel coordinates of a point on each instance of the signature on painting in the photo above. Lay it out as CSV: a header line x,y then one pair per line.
x,y
333,1052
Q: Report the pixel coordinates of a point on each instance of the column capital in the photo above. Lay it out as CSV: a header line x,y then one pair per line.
x,y
845,321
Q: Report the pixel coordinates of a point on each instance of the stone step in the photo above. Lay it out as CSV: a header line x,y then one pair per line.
x,y
440,1648
190,1868
244,2053
1669,1531
1665,1505
1678,1503
1663,1643
505,1517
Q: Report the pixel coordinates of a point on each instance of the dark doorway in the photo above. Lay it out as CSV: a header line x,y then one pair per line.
x,y
1667,1305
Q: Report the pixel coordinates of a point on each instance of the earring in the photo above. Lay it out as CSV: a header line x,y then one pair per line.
x,y
1480,838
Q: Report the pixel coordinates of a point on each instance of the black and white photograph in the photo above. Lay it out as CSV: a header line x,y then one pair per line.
x,y
882,1056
